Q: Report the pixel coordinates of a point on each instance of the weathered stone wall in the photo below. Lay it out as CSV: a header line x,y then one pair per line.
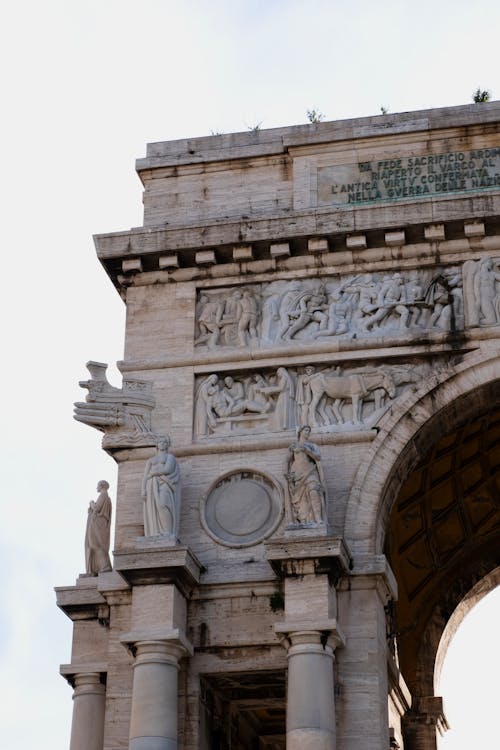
x,y
344,276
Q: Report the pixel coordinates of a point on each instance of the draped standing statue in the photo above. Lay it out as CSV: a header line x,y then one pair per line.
x,y
305,482
97,532
161,493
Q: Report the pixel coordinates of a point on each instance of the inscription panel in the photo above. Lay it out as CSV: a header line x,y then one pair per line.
x,y
409,177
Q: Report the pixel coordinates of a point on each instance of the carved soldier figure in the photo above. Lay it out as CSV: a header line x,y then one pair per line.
x,y
391,299
209,321
97,532
305,481
339,315
247,322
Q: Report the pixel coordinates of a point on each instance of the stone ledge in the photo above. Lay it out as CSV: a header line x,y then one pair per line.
x,y
81,602
329,555
158,564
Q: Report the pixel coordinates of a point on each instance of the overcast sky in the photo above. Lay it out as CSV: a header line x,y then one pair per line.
x,y
85,85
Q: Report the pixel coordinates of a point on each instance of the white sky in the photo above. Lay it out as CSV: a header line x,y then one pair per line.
x,y
85,85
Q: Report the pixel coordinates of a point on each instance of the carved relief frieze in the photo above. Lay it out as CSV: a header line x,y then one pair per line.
x,y
123,414
355,306
330,398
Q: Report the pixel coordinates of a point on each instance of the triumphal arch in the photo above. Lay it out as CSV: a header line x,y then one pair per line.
x,y
307,437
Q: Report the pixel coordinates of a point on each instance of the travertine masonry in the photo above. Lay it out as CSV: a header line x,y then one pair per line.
x,y
310,393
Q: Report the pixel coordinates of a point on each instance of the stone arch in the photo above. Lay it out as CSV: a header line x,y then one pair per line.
x,y
483,587
444,401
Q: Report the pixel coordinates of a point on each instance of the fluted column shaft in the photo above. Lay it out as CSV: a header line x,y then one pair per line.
x,y
153,721
89,698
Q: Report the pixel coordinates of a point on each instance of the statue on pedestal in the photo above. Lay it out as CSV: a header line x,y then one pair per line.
x,y
161,493
97,532
305,481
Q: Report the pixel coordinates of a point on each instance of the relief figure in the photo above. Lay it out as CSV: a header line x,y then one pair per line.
x,y
481,279
354,388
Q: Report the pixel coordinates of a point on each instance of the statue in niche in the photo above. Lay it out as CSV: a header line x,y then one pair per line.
x,y
481,280
209,321
97,532
161,493
305,482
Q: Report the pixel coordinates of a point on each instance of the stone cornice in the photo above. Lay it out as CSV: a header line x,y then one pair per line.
x,y
210,252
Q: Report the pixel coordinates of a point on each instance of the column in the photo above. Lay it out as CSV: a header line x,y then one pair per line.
x,y
153,720
89,697
310,713
421,725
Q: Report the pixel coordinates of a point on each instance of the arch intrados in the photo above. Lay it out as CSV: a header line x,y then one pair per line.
x,y
441,404
483,587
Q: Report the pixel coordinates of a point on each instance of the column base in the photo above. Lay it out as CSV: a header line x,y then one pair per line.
x,y
310,739
152,743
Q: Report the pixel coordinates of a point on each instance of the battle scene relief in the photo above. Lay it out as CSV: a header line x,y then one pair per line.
x,y
354,306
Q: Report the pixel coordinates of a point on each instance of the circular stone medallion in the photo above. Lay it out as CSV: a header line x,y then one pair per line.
x,y
242,508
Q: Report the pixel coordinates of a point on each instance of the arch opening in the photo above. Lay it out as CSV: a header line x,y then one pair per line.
x,y
443,544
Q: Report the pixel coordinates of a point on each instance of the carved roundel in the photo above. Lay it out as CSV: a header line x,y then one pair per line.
x,y
242,508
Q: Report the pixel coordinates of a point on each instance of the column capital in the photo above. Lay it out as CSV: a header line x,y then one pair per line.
x,y
373,572
428,711
167,643
81,674
311,633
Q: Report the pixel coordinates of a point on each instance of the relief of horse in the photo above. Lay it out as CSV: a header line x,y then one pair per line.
x,y
353,388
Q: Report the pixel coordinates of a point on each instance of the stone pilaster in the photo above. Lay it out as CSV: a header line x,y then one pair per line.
x,y
363,697
311,568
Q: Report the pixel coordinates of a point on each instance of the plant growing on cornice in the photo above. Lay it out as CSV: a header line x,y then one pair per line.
x,y
479,96
314,115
